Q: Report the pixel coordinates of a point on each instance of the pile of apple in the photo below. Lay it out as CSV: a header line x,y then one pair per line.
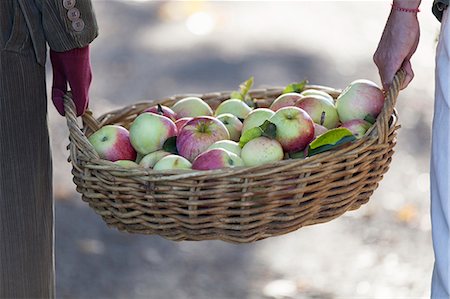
x,y
191,135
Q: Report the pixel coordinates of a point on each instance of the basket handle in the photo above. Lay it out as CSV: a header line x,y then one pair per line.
x,y
382,123
78,140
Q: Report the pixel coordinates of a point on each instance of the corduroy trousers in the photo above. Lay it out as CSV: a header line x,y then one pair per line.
x,y
26,203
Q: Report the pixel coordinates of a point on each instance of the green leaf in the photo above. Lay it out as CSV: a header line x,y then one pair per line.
x,y
369,118
330,137
327,147
244,88
249,135
170,145
269,129
296,87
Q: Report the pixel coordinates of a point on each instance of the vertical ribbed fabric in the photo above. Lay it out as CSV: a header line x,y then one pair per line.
x,y
26,204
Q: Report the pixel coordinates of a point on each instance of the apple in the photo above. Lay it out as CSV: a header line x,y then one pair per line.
x,y
192,107
126,163
316,92
319,130
216,158
256,118
261,150
112,142
139,157
357,126
321,111
285,100
149,131
149,160
228,145
172,162
234,106
181,122
198,134
162,110
295,128
360,99
233,124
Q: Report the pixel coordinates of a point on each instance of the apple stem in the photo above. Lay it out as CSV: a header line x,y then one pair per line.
x,y
322,118
160,110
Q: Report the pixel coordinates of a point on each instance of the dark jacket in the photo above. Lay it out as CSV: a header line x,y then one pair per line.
x,y
63,24
438,8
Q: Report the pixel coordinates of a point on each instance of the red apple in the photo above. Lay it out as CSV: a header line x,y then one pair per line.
x,y
285,100
112,143
319,130
181,122
295,128
216,158
198,134
360,99
357,126
162,110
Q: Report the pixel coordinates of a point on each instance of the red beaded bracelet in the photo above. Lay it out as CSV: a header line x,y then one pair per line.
x,y
411,10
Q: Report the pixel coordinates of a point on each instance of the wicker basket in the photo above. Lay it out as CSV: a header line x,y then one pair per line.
x,y
237,205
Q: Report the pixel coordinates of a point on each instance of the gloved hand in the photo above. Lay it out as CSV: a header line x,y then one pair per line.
x,y
71,67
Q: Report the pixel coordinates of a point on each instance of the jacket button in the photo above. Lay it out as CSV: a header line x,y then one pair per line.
x,y
68,4
73,14
78,25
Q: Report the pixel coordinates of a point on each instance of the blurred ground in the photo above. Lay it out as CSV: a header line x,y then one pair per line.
x,y
151,50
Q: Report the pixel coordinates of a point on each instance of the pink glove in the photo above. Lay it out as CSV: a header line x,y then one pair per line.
x,y
73,67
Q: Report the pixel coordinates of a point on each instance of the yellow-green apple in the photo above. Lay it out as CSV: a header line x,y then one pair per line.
x,y
126,163
358,127
228,145
256,118
149,131
233,124
319,130
192,107
285,100
198,134
181,122
162,110
361,99
321,110
172,162
261,150
316,92
112,142
139,157
216,158
295,128
149,160
234,106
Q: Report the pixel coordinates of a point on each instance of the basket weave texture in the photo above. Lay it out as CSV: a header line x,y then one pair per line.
x,y
237,205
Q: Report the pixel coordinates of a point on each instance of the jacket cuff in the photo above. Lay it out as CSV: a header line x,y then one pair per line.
x,y
69,24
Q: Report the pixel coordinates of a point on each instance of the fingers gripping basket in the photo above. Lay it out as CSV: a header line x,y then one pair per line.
x,y
236,205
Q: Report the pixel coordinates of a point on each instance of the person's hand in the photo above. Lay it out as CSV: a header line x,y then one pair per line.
x,y
71,67
398,43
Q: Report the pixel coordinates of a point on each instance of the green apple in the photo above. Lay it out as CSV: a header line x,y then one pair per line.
x,y
261,150
192,107
126,163
358,127
256,118
316,92
321,111
172,162
228,145
233,124
234,106
149,160
149,131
